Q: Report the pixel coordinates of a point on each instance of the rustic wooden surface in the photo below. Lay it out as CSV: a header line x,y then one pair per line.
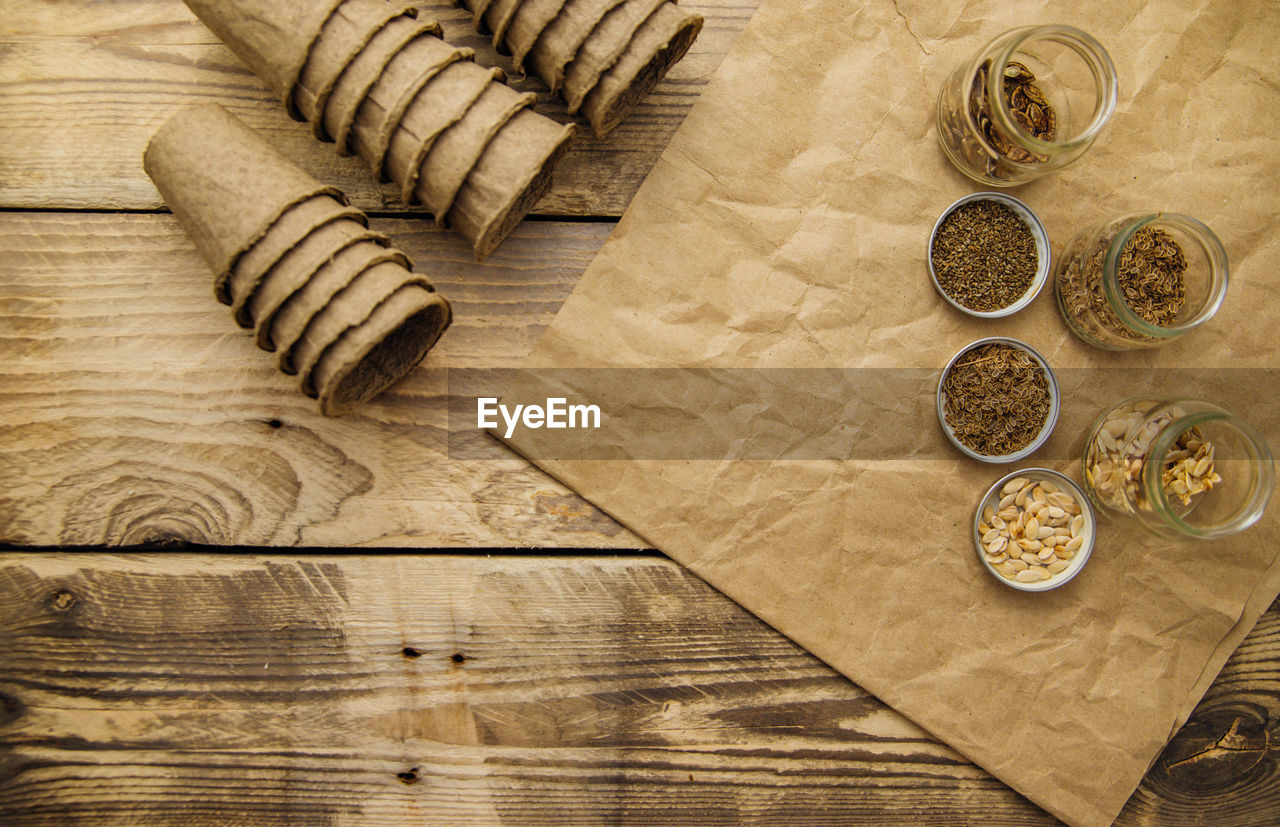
x,y
465,689
169,685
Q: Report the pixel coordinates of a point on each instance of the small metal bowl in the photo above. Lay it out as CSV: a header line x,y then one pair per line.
x,y
1088,531
1042,253
1049,421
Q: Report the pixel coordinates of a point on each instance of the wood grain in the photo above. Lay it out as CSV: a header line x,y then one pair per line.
x,y
462,689
84,84
133,410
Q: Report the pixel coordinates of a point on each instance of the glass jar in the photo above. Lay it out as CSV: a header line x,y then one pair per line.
x,y
1098,291
1058,90
1182,469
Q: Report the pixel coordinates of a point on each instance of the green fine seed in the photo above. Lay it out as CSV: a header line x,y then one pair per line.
x,y
984,256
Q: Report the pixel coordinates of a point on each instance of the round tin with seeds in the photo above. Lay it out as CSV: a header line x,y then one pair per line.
x,y
1038,236
1063,485
1050,420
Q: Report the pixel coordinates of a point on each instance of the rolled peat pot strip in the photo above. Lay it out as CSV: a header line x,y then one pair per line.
x,y
273,36
325,285
454,154
344,35
295,268
658,45
292,272
239,199
529,21
510,177
380,112
361,73
225,185
374,354
497,17
349,308
282,236
602,48
562,38
438,106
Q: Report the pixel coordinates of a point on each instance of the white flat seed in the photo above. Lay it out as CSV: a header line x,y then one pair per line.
x,y
1007,500
1046,555
1038,494
997,545
1032,528
1029,558
1049,487
990,535
1008,514
1057,566
1046,532
1029,576
1020,499
1017,564
1030,545
1074,544
996,522
1012,486
1062,553
1055,513
1077,525
997,559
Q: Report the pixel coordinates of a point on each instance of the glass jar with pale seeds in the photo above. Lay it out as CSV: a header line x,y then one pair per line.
x,y
1140,280
1029,103
1184,469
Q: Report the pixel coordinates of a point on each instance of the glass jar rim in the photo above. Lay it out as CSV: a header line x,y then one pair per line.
x,y
1153,472
1099,63
1213,250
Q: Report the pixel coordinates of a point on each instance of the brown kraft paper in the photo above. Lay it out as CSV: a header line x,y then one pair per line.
x,y
657,46
786,226
602,48
347,31
454,154
511,175
372,355
273,36
225,185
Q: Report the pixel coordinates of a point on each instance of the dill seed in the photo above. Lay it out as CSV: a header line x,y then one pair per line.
x,y
984,256
1152,275
997,399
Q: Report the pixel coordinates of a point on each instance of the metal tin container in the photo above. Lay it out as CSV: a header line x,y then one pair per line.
x,y
1088,530
1041,237
1051,419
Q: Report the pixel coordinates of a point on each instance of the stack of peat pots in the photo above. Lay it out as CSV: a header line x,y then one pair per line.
x,y
373,78
338,305
602,56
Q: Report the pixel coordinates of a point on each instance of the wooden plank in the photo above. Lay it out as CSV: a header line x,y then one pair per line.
x,y
84,84
133,410
462,689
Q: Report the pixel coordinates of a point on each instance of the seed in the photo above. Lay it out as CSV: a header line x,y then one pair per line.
x,y
996,559
1030,545
1032,528
1018,564
1007,500
1029,576
990,535
1029,558
1055,513
1046,555
997,545
1046,532
1057,566
1077,525
1038,494
1012,486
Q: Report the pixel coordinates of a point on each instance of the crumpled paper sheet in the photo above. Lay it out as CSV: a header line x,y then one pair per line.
x,y
786,225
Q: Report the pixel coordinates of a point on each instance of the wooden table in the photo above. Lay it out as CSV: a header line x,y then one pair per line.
x,y
219,606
